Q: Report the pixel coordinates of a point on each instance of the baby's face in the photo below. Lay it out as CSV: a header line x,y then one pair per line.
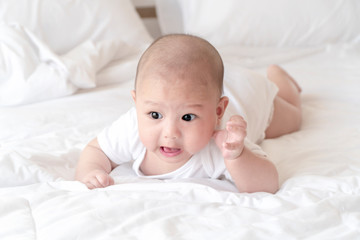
x,y
177,117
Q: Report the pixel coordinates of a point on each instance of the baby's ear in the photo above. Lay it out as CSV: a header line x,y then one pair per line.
x,y
222,105
133,94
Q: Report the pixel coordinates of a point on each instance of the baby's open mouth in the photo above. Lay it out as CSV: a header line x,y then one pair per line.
x,y
170,152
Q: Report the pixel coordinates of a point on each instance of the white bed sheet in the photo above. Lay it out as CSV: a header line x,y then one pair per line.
x,y
319,166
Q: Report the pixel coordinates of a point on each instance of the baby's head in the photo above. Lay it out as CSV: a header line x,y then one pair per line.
x,y
178,88
189,57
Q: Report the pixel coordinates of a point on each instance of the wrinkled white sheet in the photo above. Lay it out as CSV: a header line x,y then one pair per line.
x,y
30,71
319,167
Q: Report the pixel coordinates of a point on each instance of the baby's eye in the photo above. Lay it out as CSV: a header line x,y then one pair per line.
x,y
155,115
188,117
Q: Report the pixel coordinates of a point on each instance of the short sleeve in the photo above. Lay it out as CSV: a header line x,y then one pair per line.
x,y
120,141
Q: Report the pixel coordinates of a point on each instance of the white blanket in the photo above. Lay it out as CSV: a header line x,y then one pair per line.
x,y
319,166
31,72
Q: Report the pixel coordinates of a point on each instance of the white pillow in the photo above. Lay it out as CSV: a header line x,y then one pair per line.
x,y
263,22
65,24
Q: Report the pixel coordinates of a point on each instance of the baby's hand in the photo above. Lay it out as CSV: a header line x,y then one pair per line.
x,y
231,139
97,179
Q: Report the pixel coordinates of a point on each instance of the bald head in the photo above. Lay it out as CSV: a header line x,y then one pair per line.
x,y
184,55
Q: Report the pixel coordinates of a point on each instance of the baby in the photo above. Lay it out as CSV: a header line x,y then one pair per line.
x,y
175,131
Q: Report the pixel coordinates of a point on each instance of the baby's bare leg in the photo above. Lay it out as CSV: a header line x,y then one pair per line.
x,y
287,104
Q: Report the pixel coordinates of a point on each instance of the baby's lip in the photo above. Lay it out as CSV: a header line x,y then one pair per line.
x,y
170,152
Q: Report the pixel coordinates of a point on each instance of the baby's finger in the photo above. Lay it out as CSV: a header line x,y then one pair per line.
x,y
235,124
235,134
89,185
231,146
237,119
112,182
104,180
236,129
232,150
94,183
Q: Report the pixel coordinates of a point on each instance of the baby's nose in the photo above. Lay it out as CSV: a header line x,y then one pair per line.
x,y
171,131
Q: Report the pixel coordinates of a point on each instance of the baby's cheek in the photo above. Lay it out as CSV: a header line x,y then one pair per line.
x,y
199,142
148,138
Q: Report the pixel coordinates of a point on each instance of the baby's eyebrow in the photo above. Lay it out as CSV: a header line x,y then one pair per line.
x,y
148,102
195,105
190,105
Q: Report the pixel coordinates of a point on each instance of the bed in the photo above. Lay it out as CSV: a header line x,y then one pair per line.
x,y
88,52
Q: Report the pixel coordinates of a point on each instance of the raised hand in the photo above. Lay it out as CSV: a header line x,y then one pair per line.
x,y
231,139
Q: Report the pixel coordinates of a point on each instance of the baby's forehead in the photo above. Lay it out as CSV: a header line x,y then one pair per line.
x,y
195,75
174,86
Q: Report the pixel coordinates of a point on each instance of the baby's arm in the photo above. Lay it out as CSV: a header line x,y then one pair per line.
x,y
94,167
250,172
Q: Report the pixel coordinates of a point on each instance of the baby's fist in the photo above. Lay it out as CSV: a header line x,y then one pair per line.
x,y
231,139
97,179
